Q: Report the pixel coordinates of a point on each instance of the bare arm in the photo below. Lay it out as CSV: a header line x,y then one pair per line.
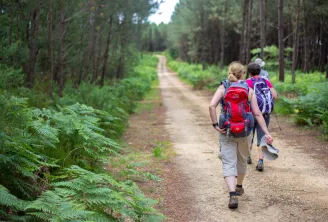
x,y
274,93
259,117
214,103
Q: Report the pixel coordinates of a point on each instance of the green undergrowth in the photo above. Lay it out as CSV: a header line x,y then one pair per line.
x,y
53,151
306,100
196,76
147,103
137,162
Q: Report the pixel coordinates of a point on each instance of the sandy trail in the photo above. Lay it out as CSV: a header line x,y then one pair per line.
x,y
292,188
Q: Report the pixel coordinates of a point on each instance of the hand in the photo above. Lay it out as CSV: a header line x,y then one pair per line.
x,y
222,131
269,139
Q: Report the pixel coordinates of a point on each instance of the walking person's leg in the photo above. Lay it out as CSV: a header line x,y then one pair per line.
x,y
228,149
249,158
260,134
242,154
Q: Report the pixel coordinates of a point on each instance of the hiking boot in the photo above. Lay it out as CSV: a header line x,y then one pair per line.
x,y
260,166
249,160
233,202
239,191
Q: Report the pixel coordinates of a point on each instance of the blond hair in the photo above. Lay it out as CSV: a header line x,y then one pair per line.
x,y
235,71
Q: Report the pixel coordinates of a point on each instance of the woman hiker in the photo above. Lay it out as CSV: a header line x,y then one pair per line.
x,y
235,150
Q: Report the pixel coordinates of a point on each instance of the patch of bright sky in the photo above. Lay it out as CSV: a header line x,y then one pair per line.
x,y
164,12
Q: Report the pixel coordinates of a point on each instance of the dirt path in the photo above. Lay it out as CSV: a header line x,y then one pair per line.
x,y
292,188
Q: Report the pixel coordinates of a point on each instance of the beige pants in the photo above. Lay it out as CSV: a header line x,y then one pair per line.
x,y
234,153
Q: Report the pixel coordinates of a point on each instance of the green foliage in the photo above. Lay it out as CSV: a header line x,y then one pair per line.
x,y
271,56
308,106
10,78
303,85
37,144
21,140
79,133
306,99
16,205
118,99
89,196
283,106
14,55
197,77
158,150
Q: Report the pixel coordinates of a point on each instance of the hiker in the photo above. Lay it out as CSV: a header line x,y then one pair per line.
x,y
263,72
235,128
265,95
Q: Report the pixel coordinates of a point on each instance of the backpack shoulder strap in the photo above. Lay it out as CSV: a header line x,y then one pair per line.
x,y
226,85
263,80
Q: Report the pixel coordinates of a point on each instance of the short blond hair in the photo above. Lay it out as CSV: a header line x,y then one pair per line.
x,y
235,71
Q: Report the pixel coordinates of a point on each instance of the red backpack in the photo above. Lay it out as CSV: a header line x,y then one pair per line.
x,y
236,115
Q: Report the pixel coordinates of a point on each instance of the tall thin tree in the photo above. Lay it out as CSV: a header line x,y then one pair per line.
x,y
244,32
60,60
281,39
51,47
222,32
106,53
305,40
248,34
10,37
262,27
33,44
295,43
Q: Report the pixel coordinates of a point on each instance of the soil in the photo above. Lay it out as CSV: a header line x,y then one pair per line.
x,y
291,188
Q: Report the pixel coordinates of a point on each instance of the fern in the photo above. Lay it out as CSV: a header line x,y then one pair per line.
x,y
37,143
90,195
79,132
13,204
54,207
19,147
7,199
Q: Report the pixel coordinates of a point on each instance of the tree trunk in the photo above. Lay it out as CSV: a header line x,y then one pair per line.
x,y
51,48
10,39
222,36
281,40
33,44
108,42
244,32
18,16
262,28
321,50
305,42
84,72
93,57
248,35
100,39
60,63
124,37
295,44
121,65
327,68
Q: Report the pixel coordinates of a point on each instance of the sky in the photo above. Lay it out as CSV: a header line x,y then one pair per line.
x,y
164,12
